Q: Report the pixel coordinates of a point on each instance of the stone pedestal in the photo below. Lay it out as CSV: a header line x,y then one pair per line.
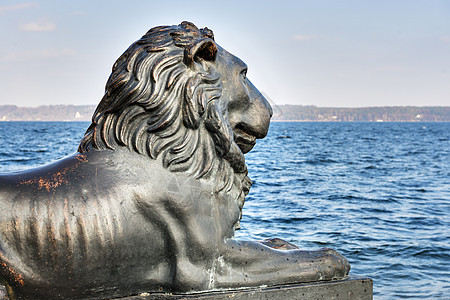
x,y
352,288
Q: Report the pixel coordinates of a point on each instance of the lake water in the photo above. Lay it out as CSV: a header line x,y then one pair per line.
x,y
377,192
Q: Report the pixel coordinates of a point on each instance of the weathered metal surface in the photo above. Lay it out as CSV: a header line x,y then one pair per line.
x,y
152,198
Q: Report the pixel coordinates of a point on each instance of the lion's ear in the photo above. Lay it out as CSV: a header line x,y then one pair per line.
x,y
197,94
205,49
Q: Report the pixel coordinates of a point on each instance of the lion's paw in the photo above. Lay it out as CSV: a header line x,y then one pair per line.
x,y
331,265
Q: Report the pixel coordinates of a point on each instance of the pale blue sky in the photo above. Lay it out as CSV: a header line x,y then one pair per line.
x,y
323,53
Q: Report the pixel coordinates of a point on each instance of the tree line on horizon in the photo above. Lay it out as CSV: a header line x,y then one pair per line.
x,y
362,114
281,113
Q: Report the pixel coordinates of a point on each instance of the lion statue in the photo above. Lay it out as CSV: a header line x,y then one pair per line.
x,y
152,198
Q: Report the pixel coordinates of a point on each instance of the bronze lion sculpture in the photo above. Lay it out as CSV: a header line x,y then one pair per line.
x,y
152,198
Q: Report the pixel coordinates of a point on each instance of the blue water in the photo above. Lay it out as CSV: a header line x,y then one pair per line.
x,y
377,192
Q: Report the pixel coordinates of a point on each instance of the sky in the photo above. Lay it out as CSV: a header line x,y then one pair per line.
x,y
324,53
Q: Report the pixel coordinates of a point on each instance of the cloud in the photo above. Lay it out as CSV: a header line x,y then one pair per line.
x,y
445,39
304,37
38,26
14,7
38,54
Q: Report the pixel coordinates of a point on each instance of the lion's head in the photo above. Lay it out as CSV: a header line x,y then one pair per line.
x,y
178,97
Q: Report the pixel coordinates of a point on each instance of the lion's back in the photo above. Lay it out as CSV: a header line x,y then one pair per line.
x,y
57,218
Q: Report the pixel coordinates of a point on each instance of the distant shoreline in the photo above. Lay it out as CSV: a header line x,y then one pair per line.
x,y
282,113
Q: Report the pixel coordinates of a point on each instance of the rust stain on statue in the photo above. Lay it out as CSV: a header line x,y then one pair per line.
x,y
16,277
56,179
50,184
81,157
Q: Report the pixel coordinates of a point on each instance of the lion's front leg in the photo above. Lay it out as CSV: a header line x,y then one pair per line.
x,y
246,263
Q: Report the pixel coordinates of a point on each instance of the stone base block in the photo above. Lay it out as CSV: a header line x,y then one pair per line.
x,y
352,288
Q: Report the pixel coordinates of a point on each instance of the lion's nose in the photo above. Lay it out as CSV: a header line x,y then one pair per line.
x,y
257,119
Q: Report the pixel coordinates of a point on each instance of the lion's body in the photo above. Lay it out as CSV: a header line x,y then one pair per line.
x,y
82,230
151,200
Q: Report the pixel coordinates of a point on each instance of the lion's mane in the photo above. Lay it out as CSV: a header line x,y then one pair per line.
x,y
159,106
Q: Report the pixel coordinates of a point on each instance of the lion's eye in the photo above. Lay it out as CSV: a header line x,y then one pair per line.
x,y
244,74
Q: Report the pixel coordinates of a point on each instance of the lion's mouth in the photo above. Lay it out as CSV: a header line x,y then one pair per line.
x,y
245,141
